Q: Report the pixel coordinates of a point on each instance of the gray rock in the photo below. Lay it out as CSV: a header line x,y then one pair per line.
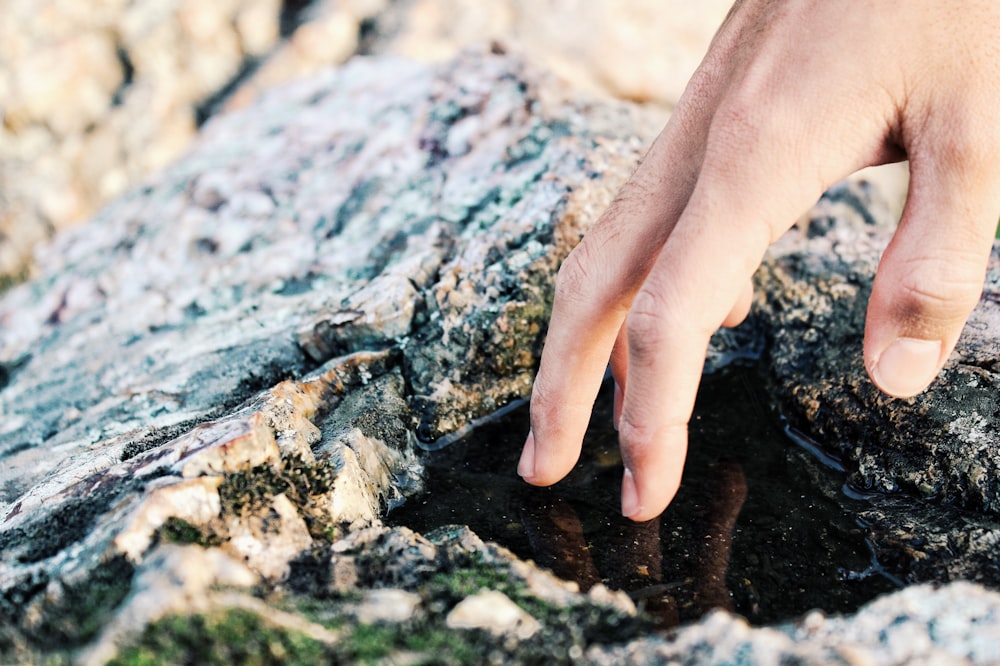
x,y
956,624
95,99
384,235
387,605
942,446
493,611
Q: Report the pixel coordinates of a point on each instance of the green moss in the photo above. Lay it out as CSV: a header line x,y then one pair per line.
x,y
242,637
230,637
299,481
178,530
369,644
473,576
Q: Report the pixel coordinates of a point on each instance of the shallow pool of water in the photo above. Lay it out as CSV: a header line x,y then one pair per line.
x,y
760,526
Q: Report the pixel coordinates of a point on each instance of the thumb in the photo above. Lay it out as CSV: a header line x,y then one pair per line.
x,y
931,274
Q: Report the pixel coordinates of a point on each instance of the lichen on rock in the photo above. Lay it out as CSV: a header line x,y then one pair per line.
x,y
242,353
942,446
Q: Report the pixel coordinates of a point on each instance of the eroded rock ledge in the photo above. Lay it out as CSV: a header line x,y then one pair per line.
x,y
211,394
384,235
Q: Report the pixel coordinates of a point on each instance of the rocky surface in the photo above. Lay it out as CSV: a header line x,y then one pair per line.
x,y
957,624
385,235
212,393
97,96
95,99
942,446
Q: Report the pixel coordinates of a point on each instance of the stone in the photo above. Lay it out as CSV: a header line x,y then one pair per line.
x,y
143,76
387,605
942,446
96,99
642,50
956,624
246,353
492,611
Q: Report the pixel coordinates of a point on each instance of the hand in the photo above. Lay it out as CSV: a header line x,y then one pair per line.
x,y
791,97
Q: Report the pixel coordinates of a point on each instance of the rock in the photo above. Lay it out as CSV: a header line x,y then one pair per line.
x,y
942,446
492,611
175,578
643,50
956,624
233,368
387,605
385,236
95,99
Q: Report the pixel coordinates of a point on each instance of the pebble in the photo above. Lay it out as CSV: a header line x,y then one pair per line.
x,y
493,611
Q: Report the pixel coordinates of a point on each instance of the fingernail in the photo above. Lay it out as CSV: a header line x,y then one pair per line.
x,y
630,495
526,466
907,366
616,412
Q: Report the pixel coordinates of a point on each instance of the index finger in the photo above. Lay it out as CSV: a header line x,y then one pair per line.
x,y
594,290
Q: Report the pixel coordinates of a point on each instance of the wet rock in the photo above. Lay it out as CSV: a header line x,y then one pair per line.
x,y
941,446
239,362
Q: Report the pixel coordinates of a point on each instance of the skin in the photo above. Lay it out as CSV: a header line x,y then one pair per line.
x,y
792,96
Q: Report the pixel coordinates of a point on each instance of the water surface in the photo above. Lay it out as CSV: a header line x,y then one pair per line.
x,y
760,525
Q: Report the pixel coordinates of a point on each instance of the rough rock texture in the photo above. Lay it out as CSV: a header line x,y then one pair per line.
x,y
96,98
211,394
958,624
942,446
96,95
386,235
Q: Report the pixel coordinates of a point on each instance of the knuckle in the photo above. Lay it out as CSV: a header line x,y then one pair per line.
x,y
944,287
742,123
646,322
575,276
635,439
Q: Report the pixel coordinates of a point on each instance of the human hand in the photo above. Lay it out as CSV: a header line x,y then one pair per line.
x,y
791,97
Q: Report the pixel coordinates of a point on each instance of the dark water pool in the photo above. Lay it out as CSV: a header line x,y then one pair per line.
x,y
760,526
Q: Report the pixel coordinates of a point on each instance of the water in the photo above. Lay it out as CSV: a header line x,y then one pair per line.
x,y
761,526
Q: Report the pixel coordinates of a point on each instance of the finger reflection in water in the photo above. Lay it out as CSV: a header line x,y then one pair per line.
x,y
759,527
